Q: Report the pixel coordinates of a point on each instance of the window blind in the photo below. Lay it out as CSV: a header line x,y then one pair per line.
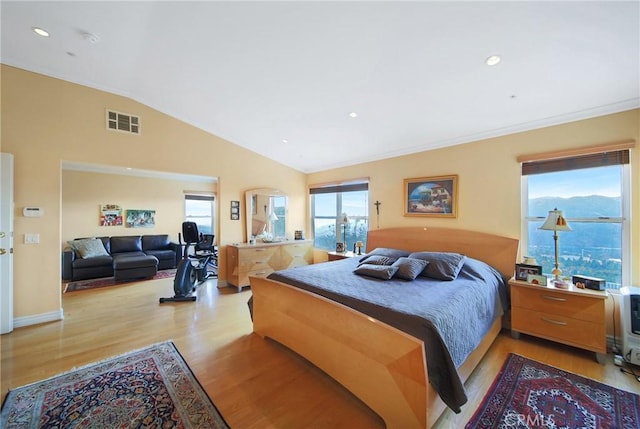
x,y
340,188
601,159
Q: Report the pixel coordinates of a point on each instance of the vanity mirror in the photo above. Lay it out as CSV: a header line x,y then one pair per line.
x,y
266,215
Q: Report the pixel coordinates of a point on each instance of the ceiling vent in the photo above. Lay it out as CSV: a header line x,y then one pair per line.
x,y
124,122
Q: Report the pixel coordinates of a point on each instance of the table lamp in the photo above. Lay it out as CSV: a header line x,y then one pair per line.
x,y
555,222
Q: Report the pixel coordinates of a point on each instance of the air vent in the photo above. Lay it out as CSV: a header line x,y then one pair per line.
x,y
118,121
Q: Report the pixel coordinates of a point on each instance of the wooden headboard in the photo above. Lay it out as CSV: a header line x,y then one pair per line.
x,y
497,251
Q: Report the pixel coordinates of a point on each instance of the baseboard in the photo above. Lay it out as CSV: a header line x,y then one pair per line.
x,y
53,316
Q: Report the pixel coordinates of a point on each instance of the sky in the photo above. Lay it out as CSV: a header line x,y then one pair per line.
x,y
589,181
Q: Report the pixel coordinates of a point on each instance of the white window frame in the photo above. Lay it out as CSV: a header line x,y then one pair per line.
x,y
625,221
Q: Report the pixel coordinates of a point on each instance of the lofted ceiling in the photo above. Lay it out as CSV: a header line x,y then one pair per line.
x,y
282,78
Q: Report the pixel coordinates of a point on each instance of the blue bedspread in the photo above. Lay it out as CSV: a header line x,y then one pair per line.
x,y
451,317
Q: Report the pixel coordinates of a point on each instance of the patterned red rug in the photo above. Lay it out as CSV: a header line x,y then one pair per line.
x,y
148,388
110,281
529,394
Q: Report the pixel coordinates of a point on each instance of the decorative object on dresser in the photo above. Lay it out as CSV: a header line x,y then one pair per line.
x,y
556,222
571,316
261,259
526,393
523,270
589,282
340,247
431,196
150,387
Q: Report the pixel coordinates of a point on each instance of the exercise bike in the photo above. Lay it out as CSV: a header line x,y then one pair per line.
x,y
192,269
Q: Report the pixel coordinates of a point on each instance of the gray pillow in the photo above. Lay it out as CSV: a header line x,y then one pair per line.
x,y
384,272
88,247
409,268
442,265
379,260
384,251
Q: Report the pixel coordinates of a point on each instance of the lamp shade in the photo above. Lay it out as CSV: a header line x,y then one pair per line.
x,y
555,221
273,217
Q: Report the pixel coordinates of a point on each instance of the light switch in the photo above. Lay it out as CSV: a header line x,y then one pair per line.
x,y
31,238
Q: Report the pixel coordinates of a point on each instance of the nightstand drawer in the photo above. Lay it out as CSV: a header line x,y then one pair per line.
x,y
579,333
552,302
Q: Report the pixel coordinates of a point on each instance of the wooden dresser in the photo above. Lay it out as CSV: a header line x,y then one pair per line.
x,y
570,316
244,260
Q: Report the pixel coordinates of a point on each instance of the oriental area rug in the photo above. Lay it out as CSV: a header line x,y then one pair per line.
x,y
147,388
110,281
529,394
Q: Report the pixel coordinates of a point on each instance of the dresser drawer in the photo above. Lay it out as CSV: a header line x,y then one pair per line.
x,y
552,302
257,259
560,328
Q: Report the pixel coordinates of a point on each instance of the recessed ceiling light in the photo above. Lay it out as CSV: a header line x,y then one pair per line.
x,y
40,31
285,141
493,60
353,114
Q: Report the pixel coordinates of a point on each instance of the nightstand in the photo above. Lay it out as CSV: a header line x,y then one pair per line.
x,y
572,316
335,256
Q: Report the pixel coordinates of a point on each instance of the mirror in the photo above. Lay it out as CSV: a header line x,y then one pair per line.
x,y
266,215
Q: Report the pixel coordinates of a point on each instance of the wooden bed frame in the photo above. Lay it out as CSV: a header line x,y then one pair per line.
x,y
381,365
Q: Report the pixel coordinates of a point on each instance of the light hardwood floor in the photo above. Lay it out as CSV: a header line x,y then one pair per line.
x,y
255,383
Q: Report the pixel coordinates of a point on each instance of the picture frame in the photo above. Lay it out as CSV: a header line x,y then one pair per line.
x,y
435,196
536,279
141,218
340,247
235,210
523,270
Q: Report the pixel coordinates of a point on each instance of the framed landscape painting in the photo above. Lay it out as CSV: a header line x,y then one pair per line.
x,y
141,218
431,196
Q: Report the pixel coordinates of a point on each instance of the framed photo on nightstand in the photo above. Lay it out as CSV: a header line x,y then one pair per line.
x,y
522,270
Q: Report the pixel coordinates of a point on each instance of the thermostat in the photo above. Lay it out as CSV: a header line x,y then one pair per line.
x,y
33,211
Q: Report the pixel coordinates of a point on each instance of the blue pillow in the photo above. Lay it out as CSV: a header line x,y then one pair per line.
x,y
441,265
384,251
384,272
378,260
409,268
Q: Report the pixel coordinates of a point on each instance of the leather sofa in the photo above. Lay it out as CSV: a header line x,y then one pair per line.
x,y
126,257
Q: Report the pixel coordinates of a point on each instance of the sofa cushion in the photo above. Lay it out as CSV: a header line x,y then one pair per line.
x,y
132,243
93,262
155,242
88,247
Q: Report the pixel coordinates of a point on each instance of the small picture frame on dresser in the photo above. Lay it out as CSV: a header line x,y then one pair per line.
x,y
340,247
536,279
522,270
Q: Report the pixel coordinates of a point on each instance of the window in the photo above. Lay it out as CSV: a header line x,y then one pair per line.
x,y
278,216
327,207
199,209
593,192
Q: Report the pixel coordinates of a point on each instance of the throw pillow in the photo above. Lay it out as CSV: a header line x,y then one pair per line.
x,y
442,265
384,272
409,268
384,251
89,247
378,260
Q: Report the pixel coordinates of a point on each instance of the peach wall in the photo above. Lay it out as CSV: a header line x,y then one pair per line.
x,y
84,192
46,121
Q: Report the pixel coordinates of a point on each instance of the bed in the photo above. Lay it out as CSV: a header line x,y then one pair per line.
x,y
383,365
